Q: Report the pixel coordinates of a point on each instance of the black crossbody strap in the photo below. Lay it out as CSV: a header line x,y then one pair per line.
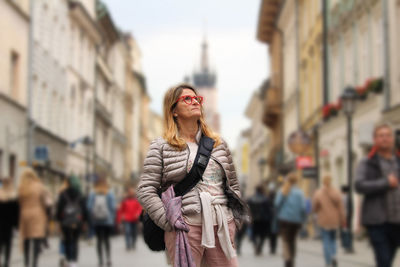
x,y
201,160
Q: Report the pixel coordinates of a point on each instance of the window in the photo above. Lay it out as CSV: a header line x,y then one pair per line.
x,y
340,170
11,169
14,69
72,101
54,119
61,118
378,48
44,104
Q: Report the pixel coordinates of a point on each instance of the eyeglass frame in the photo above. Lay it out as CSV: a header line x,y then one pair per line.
x,y
191,99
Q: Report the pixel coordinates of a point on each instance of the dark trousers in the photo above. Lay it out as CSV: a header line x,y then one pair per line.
x,y
346,239
71,243
32,244
385,239
103,233
5,247
260,232
240,234
273,240
130,229
288,232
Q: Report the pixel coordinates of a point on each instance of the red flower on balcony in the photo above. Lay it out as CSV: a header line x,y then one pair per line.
x,y
326,110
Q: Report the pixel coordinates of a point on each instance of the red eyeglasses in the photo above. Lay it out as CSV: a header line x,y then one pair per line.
x,y
188,99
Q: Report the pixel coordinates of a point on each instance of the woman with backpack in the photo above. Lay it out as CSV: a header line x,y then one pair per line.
x,y
102,210
129,213
290,207
200,217
33,218
71,215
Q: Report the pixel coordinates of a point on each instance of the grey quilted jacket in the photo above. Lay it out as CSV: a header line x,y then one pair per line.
x,y
165,165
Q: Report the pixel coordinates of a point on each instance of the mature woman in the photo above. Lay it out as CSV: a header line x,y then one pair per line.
x,y
102,210
212,210
9,209
33,218
290,210
328,205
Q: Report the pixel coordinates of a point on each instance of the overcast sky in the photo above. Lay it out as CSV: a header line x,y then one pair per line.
x,y
170,33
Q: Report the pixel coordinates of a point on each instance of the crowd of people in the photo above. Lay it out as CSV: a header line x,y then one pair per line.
x,y
31,207
287,210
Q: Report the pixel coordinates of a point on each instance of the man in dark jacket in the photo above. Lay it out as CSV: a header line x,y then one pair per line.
x,y
377,178
261,215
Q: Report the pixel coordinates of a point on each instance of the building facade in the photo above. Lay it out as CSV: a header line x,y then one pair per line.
x,y
89,104
359,52
268,33
14,20
242,160
259,142
287,23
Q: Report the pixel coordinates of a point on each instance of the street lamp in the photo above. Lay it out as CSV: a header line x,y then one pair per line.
x,y
348,99
87,141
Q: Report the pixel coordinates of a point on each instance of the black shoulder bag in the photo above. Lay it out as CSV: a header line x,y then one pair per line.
x,y
154,235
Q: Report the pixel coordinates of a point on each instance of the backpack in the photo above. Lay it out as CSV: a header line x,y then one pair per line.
x,y
100,211
72,212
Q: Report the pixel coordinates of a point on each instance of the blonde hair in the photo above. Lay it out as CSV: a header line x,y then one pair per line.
x,y
101,186
171,127
327,180
291,180
28,178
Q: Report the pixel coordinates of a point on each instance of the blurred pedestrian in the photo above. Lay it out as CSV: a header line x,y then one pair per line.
x,y
345,235
61,245
129,214
102,209
71,214
205,217
327,204
273,236
261,218
377,178
291,214
9,209
33,218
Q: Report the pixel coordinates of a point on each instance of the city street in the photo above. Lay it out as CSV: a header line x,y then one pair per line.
x,y
310,255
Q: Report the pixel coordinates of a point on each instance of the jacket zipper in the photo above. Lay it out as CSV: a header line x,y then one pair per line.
x,y
187,160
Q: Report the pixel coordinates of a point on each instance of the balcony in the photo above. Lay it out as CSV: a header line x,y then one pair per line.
x,y
102,112
272,107
119,136
266,23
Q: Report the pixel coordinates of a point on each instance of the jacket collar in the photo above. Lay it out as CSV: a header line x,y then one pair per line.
x,y
198,135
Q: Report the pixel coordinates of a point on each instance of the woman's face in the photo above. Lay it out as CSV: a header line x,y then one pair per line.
x,y
185,111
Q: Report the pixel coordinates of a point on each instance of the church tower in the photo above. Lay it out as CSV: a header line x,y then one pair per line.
x,y
204,81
